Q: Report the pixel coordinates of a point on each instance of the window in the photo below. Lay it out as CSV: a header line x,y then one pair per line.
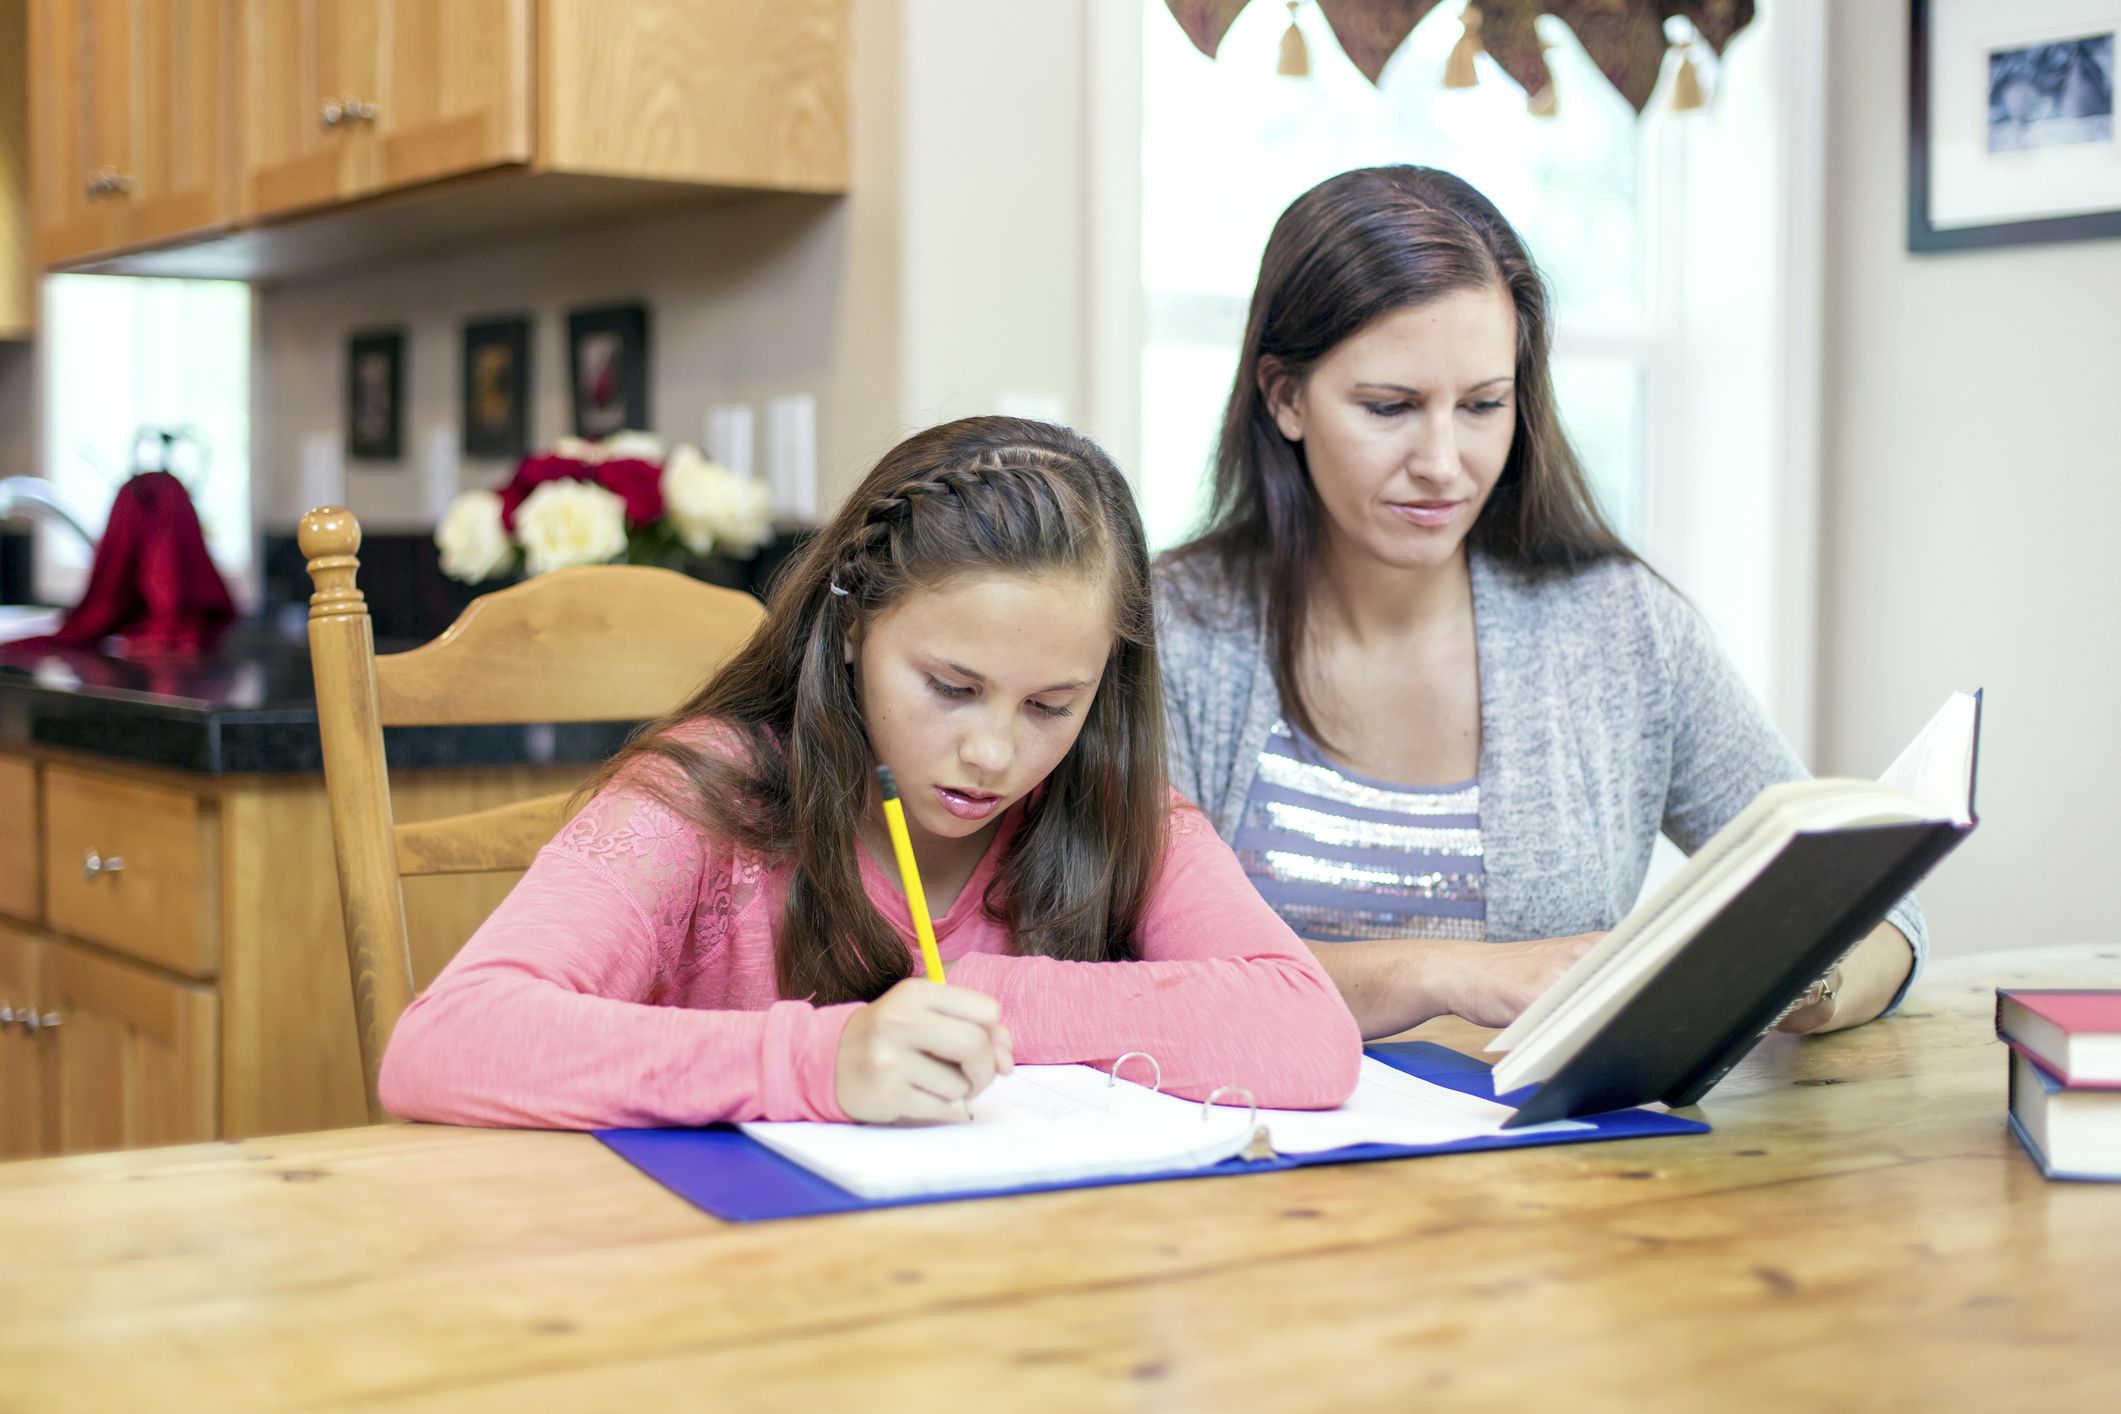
x,y
129,358
1228,143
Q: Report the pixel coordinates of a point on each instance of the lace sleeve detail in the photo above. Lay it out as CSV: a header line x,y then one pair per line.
x,y
665,864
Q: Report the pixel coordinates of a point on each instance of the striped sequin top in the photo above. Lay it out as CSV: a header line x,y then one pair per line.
x,y
1341,857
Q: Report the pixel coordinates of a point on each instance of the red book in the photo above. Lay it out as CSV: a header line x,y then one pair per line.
x,y
2075,1034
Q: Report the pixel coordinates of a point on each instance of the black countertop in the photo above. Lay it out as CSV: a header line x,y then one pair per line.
x,y
250,706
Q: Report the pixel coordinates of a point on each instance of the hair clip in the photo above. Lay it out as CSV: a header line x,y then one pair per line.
x,y
836,587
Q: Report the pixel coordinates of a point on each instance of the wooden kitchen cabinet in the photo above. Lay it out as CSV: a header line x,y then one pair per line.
x,y
132,866
360,129
452,91
198,990
22,1072
18,289
21,842
294,57
130,132
133,1059
351,97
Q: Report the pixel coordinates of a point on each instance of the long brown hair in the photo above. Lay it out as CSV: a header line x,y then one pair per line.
x,y
1352,249
982,494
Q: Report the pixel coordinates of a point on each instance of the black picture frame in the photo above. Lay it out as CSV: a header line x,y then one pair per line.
x,y
375,395
607,369
1925,237
495,394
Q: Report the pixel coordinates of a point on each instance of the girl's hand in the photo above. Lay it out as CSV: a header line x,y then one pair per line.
x,y
920,1051
1499,980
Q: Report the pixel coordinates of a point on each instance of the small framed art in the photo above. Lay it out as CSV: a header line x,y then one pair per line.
x,y
375,394
496,414
607,368
2011,123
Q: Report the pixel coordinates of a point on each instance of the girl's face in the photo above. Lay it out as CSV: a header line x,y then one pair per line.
x,y
1406,424
973,691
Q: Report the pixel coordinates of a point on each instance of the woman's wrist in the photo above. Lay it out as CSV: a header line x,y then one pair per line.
x,y
1447,971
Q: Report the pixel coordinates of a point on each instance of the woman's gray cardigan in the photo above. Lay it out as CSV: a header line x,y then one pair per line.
x,y
1607,714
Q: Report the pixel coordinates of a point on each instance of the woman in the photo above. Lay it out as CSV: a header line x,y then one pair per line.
x,y
1436,704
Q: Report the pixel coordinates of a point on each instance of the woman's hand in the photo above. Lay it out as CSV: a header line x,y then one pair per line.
x,y
1495,982
1859,987
920,1051
1815,1015
1392,984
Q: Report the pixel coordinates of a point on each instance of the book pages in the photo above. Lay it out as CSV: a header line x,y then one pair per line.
x,y
1061,1123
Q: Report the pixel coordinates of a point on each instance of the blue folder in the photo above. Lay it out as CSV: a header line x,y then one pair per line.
x,y
737,1180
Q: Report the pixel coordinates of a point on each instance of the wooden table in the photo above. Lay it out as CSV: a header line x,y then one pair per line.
x,y
1859,1232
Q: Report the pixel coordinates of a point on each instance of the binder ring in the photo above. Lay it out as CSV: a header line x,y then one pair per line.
x,y
1207,1106
1155,1086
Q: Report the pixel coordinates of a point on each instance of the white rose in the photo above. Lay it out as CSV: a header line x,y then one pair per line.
x,y
746,516
474,544
709,505
579,449
631,445
566,523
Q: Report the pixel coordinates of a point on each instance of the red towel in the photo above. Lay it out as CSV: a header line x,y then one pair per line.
x,y
152,585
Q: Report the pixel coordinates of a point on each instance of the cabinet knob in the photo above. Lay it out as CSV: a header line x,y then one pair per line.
x,y
7,1016
361,109
93,864
333,114
33,1023
108,181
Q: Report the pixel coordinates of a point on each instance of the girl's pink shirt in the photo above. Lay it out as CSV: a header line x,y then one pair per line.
x,y
628,981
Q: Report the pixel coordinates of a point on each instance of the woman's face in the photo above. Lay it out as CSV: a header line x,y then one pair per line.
x,y
1406,424
973,691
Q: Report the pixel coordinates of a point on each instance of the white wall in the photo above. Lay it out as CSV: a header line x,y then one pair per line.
x,y
951,281
995,305
1971,495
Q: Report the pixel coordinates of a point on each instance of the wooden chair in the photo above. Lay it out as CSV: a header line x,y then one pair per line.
x,y
600,644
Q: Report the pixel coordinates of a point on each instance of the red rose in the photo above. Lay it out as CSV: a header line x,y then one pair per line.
x,y
534,472
638,483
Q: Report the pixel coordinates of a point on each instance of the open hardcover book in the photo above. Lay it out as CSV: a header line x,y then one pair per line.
x,y
1690,981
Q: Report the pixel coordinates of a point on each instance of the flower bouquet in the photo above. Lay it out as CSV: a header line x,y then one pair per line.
x,y
627,498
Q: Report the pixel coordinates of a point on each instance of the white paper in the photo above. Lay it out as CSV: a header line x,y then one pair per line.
x,y
1058,1123
1042,1124
1392,1107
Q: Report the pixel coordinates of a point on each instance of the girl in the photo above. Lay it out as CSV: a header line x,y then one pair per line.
x,y
719,934
1439,707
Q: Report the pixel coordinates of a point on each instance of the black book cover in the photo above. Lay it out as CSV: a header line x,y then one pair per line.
x,y
1713,1001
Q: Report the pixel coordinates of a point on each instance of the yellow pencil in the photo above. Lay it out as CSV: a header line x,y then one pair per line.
x,y
909,874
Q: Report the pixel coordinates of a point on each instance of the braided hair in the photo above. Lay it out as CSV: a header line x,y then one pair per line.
x,y
982,494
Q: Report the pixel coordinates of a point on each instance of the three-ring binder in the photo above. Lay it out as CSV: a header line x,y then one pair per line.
x,y
1259,1146
729,1173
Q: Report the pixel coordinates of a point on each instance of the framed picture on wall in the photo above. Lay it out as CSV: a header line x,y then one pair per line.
x,y
375,394
2011,137
496,413
607,369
